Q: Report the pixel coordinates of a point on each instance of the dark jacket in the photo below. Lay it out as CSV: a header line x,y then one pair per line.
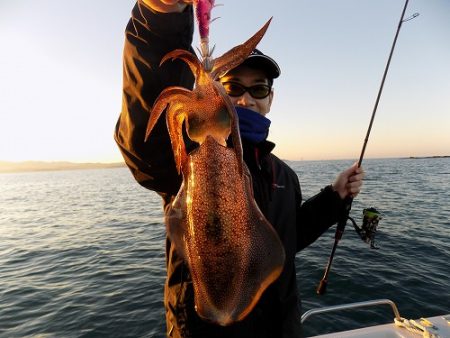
x,y
149,36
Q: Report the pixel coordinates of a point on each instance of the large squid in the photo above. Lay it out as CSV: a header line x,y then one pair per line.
x,y
232,251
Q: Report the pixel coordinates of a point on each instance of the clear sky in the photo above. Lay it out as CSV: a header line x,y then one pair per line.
x,y
61,75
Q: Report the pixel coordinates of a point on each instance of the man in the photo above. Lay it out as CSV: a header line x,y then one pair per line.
x,y
156,28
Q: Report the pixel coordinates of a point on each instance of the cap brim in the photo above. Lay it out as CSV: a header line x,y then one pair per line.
x,y
265,63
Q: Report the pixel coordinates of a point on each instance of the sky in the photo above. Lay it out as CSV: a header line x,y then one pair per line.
x,y
61,76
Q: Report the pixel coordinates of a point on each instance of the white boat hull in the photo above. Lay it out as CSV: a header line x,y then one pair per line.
x,y
392,331
431,327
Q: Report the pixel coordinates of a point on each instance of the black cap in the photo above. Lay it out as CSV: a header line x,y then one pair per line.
x,y
259,60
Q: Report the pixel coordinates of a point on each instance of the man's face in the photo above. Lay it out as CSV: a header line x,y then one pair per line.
x,y
248,77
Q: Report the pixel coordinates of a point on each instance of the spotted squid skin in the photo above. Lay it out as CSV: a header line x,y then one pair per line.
x,y
233,252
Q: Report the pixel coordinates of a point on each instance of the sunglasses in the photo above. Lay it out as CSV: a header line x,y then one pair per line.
x,y
259,91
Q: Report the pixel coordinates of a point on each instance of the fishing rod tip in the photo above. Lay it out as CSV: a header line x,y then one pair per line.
x,y
415,15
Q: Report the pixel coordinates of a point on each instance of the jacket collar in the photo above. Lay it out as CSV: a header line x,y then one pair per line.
x,y
254,155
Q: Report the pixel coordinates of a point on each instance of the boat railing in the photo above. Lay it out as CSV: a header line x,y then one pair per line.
x,y
376,302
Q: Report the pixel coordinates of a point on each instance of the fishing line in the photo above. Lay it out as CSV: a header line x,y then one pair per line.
x,y
321,288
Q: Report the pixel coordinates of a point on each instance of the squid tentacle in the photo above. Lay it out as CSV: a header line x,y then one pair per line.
x,y
235,136
235,56
176,116
192,61
161,102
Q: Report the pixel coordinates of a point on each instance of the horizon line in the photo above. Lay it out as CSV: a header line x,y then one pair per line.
x,y
35,165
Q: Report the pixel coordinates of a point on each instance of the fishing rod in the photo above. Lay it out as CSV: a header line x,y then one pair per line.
x,y
321,288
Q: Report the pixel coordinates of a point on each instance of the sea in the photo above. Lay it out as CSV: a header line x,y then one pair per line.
x,y
82,251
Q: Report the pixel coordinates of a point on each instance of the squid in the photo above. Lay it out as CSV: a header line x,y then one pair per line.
x,y
232,251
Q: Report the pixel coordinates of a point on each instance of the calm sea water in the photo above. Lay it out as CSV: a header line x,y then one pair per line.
x,y
82,252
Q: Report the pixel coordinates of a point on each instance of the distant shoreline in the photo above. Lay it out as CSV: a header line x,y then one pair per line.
x,y
30,166
424,157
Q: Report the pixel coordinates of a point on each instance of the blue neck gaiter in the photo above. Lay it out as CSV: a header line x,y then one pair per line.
x,y
253,126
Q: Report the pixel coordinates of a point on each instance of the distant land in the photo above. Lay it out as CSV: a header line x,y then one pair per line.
x,y
14,167
425,157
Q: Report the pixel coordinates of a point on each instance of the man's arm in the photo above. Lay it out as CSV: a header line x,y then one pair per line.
x,y
316,215
323,210
149,36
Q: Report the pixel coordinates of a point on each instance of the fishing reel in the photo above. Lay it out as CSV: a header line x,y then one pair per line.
x,y
367,231
371,218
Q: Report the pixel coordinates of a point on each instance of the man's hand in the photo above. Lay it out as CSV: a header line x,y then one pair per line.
x,y
349,182
167,6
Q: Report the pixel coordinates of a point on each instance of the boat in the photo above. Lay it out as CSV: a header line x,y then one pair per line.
x,y
432,327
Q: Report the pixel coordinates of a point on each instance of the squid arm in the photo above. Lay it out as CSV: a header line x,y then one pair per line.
x,y
235,56
176,117
172,98
235,136
165,98
192,61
